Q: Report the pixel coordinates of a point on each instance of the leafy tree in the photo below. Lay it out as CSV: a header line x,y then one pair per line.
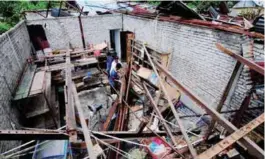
x,y
203,6
10,11
4,27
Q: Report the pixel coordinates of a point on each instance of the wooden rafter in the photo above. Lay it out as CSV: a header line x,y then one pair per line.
x,y
252,65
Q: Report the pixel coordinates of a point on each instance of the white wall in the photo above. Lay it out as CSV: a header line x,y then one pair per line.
x,y
96,29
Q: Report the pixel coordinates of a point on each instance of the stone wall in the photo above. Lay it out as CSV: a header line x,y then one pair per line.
x,y
14,49
96,29
196,62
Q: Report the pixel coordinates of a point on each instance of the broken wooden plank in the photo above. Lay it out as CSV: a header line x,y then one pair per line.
x,y
70,111
61,66
37,83
85,129
231,139
110,115
252,65
32,135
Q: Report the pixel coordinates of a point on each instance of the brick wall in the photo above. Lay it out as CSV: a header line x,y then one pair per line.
x,y
196,62
96,29
253,51
14,49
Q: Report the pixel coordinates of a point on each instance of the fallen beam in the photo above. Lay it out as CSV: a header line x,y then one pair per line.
x,y
83,124
32,135
231,139
69,104
110,115
252,147
132,134
252,65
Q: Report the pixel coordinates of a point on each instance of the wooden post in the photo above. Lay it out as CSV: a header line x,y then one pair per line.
x,y
81,29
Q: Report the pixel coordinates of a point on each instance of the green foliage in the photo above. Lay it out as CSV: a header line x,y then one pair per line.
x,y
11,10
203,6
250,13
4,27
154,3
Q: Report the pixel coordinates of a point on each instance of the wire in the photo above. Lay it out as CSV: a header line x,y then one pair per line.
x,y
112,147
175,125
25,144
120,139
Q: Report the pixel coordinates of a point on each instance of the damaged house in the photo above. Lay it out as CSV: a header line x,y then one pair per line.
x,y
188,87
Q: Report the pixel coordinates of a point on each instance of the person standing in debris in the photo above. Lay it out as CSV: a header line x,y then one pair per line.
x,y
114,63
114,77
109,62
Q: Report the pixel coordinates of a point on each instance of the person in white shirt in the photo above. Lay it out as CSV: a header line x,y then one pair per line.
x,y
114,63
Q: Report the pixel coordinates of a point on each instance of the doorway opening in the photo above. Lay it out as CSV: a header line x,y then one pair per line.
x,y
115,42
38,37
